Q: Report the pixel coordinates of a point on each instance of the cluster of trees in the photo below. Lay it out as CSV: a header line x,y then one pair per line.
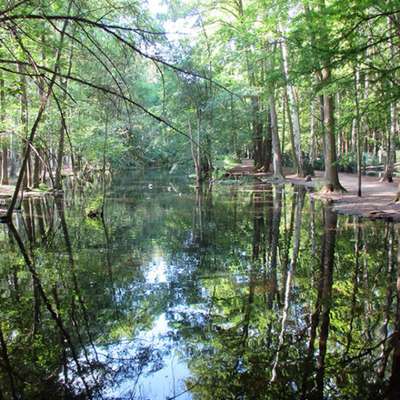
x,y
71,84
308,84
318,82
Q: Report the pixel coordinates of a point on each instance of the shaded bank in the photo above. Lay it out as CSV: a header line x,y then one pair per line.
x,y
378,200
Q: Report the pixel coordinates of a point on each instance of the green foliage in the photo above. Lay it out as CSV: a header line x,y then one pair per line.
x,y
347,162
43,187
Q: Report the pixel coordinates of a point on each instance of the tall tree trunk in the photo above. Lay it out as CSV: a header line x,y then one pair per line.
x,y
24,122
391,132
390,148
235,147
339,131
257,127
256,122
4,180
60,156
194,152
323,75
63,130
293,113
283,135
36,165
267,144
331,172
358,133
276,147
13,157
199,156
36,170
312,133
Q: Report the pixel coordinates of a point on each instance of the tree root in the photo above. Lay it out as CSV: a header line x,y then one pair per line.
x,y
331,188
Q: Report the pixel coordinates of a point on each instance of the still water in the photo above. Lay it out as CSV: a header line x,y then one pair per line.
x,y
240,291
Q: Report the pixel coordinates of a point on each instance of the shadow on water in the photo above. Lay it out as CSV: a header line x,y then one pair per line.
x,y
231,292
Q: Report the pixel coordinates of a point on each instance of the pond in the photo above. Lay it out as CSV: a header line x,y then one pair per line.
x,y
238,291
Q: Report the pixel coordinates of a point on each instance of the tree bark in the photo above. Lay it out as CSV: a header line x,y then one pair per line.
x,y
331,176
4,179
267,144
323,76
276,147
24,120
312,133
257,126
293,114
391,132
389,162
60,155
359,157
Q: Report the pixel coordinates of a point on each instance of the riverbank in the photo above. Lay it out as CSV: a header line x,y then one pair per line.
x,y
7,191
376,201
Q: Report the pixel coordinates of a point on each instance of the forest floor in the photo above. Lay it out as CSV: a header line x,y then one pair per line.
x,y
376,201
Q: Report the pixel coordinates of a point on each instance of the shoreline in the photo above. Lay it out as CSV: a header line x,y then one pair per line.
x,y
376,201
7,191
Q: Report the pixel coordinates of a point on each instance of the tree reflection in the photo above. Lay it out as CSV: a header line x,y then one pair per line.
x,y
249,293
394,382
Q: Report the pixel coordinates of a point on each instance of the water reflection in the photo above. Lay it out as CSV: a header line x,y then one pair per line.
x,y
239,292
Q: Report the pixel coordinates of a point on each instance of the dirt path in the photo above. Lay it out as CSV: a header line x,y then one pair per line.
x,y
376,201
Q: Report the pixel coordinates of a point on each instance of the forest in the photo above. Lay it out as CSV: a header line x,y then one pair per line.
x,y
305,85
173,175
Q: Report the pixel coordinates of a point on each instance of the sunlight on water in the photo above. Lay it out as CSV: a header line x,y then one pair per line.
x,y
156,272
